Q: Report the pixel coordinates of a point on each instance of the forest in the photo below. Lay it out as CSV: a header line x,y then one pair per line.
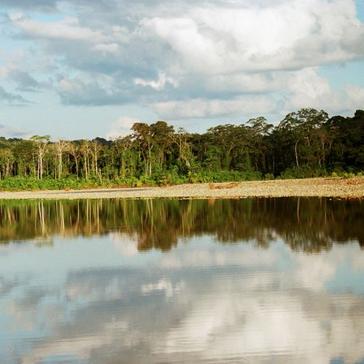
x,y
306,143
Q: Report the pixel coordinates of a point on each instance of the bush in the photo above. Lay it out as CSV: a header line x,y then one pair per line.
x,y
160,178
302,172
268,176
31,183
223,176
345,174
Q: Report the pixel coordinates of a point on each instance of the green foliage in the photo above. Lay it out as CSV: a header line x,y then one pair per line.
x,y
344,174
305,144
268,176
302,172
206,176
31,183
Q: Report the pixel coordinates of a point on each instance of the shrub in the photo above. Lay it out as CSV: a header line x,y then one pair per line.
x,y
303,172
268,176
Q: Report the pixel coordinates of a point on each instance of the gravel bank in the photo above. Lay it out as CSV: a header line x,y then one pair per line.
x,y
314,187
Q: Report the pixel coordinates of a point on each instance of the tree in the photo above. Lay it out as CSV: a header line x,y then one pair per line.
x,y
347,141
85,150
6,162
41,142
142,136
61,146
74,150
162,140
184,155
305,143
225,138
303,128
95,148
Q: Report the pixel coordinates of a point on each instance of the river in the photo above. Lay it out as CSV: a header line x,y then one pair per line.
x,y
182,281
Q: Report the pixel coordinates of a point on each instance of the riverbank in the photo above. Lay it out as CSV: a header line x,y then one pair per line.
x,y
313,187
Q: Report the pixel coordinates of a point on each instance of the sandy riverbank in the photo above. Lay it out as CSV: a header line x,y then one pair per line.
x,y
319,187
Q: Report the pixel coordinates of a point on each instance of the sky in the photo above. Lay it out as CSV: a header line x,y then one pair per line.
x,y
87,68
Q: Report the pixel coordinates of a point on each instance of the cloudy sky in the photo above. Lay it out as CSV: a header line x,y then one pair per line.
x,y
86,68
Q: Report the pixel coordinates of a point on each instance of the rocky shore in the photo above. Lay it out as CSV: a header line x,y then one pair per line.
x,y
314,187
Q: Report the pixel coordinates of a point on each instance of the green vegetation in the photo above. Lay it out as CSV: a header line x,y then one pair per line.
x,y
306,143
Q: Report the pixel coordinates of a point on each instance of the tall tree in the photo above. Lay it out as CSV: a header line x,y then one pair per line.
x,y
41,143
302,127
61,146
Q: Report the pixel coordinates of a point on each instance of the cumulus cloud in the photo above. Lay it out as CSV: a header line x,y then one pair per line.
x,y
355,96
195,60
200,108
121,127
105,48
308,88
158,84
219,39
67,28
87,91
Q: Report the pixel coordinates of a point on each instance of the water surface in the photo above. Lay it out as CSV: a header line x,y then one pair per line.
x,y
168,281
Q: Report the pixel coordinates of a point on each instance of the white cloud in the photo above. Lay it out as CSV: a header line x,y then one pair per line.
x,y
158,84
120,33
187,59
307,88
83,89
355,96
246,83
121,127
4,71
107,48
291,34
67,28
200,108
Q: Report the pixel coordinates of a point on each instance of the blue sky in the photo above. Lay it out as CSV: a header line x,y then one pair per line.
x,y
76,69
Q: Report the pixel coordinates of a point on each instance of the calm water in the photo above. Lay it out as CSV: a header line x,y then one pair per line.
x,y
167,281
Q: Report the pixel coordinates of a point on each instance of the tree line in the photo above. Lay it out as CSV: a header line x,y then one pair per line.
x,y
305,143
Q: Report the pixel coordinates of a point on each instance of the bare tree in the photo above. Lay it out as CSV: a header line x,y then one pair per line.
x,y
41,143
61,146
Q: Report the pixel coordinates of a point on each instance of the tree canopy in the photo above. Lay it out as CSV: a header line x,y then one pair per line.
x,y
304,143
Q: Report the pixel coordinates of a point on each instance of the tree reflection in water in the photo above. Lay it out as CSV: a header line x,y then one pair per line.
x,y
305,224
